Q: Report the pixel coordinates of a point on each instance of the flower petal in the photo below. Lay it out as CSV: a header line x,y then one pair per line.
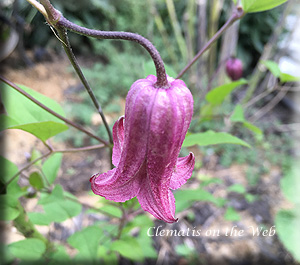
x,y
118,191
182,171
118,137
163,209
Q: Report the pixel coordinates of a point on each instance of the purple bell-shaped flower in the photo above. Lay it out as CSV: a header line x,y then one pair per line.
x,y
147,142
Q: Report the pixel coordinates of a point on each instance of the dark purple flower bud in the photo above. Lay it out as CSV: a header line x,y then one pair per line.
x,y
234,68
147,142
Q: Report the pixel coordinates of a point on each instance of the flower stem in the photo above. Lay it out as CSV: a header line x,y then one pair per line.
x,y
237,14
78,127
158,62
56,19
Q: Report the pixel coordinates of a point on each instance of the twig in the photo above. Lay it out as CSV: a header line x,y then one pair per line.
x,y
269,106
56,20
122,221
72,150
78,127
237,14
68,49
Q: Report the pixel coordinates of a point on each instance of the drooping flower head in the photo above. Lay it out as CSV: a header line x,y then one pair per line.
x,y
147,142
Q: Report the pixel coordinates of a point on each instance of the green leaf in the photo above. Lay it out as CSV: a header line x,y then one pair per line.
x,y
30,117
217,95
238,188
87,242
51,166
108,256
231,214
252,128
57,208
8,207
287,226
288,78
26,111
238,114
184,198
250,197
8,170
60,256
211,138
251,6
290,184
128,248
184,250
36,180
112,210
273,67
28,249
42,130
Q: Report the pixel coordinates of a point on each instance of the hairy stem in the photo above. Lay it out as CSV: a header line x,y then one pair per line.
x,y
78,127
68,49
237,14
116,35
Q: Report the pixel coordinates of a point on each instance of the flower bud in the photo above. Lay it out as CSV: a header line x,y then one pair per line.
x,y
234,68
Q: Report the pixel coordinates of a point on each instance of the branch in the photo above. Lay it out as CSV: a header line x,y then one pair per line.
x,y
78,127
237,14
72,150
68,49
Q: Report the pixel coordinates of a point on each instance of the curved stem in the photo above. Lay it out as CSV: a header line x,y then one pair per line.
x,y
237,14
67,47
78,127
158,62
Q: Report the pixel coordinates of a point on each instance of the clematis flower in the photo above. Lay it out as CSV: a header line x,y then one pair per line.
x,y
147,143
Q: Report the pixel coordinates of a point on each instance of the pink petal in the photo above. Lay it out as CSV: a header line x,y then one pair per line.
x,y
118,191
118,137
162,209
182,171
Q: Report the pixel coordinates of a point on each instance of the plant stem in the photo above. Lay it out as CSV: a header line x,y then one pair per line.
x,y
158,62
27,228
237,14
72,150
78,127
68,49
122,221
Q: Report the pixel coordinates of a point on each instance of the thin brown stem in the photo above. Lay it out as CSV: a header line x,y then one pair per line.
x,y
68,49
122,221
269,106
117,35
78,127
237,14
52,151
56,19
